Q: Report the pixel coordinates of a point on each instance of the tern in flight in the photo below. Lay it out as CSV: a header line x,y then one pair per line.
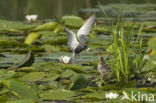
x,y
77,42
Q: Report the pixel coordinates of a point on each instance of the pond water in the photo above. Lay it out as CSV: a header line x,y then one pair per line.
x,y
48,9
137,11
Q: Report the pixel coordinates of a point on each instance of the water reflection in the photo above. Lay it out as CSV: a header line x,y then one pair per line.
x,y
47,9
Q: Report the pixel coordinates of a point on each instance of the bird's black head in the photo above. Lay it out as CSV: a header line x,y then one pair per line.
x,y
86,48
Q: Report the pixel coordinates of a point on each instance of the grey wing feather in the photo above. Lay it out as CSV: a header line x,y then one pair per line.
x,y
72,41
85,29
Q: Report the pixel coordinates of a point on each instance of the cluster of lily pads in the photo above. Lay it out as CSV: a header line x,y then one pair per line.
x,y
42,78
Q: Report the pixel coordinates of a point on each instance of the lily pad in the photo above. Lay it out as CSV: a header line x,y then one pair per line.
x,y
72,21
27,69
28,60
78,82
33,76
50,26
75,68
95,96
4,74
22,101
51,77
31,38
59,94
21,89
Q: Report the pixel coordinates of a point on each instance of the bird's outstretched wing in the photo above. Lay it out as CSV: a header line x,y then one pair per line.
x,y
83,32
72,41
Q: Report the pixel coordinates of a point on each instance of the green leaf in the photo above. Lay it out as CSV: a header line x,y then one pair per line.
x,y
3,98
20,89
75,68
51,77
58,40
33,76
14,26
50,48
67,73
72,21
95,96
50,26
28,60
59,94
4,74
49,66
31,38
102,29
22,101
27,69
78,82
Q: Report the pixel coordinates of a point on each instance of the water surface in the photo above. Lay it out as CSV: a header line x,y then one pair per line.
x,y
48,9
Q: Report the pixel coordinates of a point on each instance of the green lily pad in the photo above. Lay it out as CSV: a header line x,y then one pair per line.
x,y
51,77
72,21
31,38
76,68
50,26
78,82
22,101
58,40
14,25
50,48
4,74
27,69
28,60
59,94
20,89
51,67
11,44
67,73
102,29
33,76
95,96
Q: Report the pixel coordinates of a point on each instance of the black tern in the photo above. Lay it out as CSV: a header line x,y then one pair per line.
x,y
77,43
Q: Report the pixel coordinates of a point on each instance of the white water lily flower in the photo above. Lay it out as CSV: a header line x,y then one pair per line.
x,y
112,95
31,18
125,96
65,59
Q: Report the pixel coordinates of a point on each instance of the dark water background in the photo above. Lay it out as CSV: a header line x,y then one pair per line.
x,y
48,9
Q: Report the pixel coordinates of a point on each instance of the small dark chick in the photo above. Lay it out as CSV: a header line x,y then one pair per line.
x,y
103,67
